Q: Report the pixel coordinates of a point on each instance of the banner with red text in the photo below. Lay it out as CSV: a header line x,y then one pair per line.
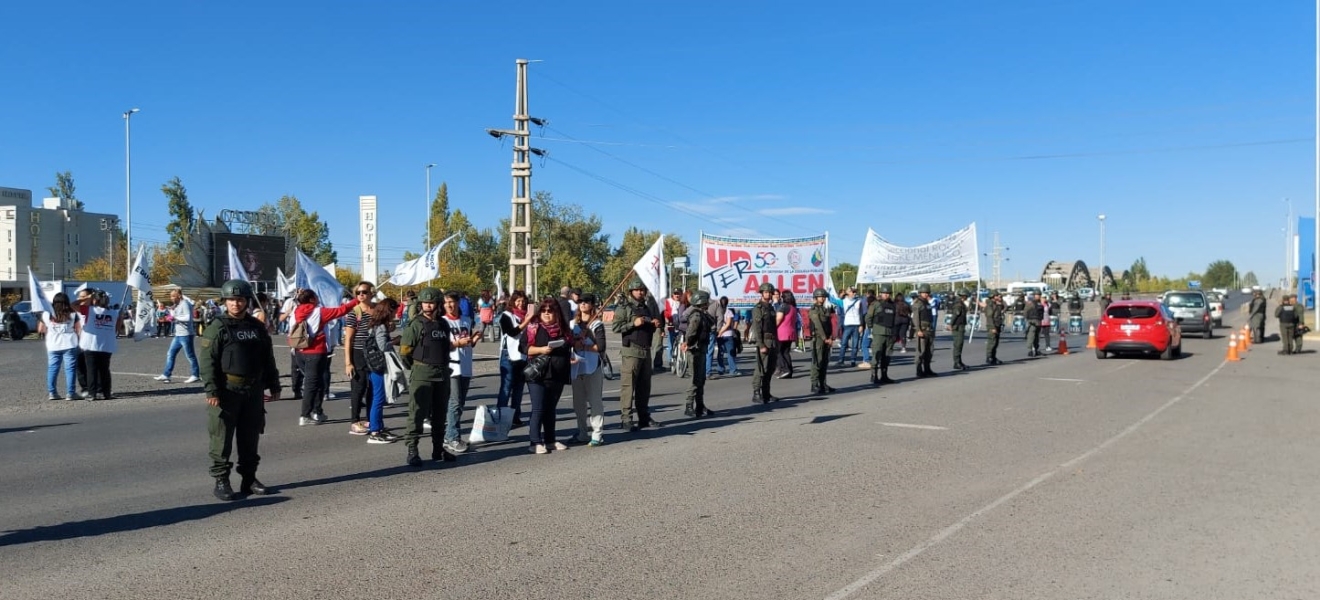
x,y
736,267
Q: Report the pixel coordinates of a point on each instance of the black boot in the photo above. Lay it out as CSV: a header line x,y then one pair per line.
x,y
875,380
921,369
223,491
884,370
414,460
687,411
251,487
929,371
825,389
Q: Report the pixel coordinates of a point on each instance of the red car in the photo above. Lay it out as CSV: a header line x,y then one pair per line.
x,y
1138,327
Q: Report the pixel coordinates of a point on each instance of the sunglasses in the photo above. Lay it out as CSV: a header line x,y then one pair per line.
x,y
360,292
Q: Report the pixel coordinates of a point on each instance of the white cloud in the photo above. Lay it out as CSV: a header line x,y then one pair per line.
x,y
749,198
791,211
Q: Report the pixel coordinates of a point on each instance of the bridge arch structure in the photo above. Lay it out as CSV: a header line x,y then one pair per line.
x,y
1074,275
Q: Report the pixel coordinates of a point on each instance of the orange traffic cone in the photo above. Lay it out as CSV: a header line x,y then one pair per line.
x,y
1242,343
1063,343
1090,339
1246,335
1232,348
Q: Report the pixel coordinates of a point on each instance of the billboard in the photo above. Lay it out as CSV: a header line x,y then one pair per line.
x,y
261,255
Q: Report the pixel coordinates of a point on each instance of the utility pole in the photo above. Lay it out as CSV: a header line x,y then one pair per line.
x,y
997,258
536,266
520,222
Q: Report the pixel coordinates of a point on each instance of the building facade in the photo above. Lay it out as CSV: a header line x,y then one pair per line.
x,y
53,239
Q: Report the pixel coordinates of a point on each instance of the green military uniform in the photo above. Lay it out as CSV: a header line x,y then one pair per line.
x,y
923,322
237,363
1256,317
882,317
994,327
700,324
958,325
822,326
1289,319
766,336
424,347
636,350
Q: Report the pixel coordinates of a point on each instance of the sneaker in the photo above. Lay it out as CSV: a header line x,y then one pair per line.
x,y
561,446
426,424
359,428
380,438
303,421
455,446
596,442
318,417
193,379
540,449
54,397
162,378
864,365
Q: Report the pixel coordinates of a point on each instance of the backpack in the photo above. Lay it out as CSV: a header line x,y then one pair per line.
x,y
374,354
298,337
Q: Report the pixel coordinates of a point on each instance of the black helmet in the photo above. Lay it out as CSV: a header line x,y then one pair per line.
x,y
636,284
820,293
767,287
429,294
886,288
700,298
235,288
924,289
963,293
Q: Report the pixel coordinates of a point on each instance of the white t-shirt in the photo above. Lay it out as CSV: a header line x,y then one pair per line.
x,y
98,334
61,336
460,359
853,309
183,317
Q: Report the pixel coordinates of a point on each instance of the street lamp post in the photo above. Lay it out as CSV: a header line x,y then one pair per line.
x,y
428,207
1102,255
1287,248
128,190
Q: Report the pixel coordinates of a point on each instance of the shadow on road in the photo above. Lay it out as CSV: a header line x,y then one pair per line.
x,y
133,522
4,430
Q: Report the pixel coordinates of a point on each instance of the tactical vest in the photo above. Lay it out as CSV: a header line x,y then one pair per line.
x,y
1288,315
766,326
958,310
244,348
886,316
640,336
921,315
433,347
699,327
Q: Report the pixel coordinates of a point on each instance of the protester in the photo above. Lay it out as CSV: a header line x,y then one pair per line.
x,y
62,327
786,323
588,376
98,343
460,369
550,341
163,317
356,331
512,361
380,330
726,361
314,358
184,331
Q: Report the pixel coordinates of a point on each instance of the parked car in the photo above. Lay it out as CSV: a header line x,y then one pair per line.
x,y
1138,327
1086,293
1192,310
26,317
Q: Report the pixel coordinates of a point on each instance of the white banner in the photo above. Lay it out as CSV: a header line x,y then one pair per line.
x,y
39,300
284,286
736,267
236,270
650,268
139,278
370,259
144,310
952,258
423,268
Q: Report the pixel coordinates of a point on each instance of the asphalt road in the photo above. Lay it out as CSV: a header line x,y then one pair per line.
x,y
1058,477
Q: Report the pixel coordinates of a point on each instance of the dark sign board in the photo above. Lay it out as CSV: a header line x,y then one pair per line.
x,y
260,255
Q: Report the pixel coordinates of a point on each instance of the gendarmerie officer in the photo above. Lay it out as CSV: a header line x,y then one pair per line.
x,y
882,318
822,339
424,346
1256,317
1288,318
923,322
958,326
237,364
766,337
994,327
637,321
696,342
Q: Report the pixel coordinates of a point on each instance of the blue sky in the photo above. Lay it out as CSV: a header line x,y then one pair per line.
x,y
1186,128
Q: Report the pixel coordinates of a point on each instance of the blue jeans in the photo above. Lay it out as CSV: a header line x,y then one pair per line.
x,y
725,359
58,359
376,414
849,342
711,349
672,336
865,341
511,384
456,401
186,343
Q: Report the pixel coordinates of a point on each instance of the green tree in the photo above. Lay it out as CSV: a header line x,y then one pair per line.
x,y
306,230
573,249
844,275
1220,273
64,189
1249,280
181,212
1138,272
634,244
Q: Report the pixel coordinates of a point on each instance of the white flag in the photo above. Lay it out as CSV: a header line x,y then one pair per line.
x,y
139,278
651,269
423,268
236,270
499,285
283,285
39,301
330,293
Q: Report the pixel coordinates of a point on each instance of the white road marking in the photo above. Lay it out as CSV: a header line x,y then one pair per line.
x,y
945,533
911,426
1063,379
1121,367
138,374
